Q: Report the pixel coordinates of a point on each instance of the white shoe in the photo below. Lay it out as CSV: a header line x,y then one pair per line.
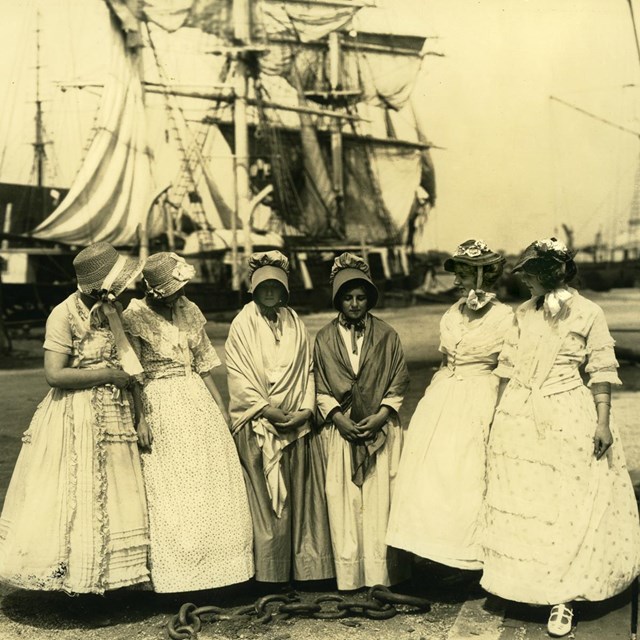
x,y
560,620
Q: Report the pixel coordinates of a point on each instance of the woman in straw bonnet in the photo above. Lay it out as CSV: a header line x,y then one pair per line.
x,y
272,399
562,520
437,503
361,379
74,518
198,512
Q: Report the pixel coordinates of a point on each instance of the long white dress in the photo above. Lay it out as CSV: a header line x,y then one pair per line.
x,y
560,525
437,504
201,535
75,517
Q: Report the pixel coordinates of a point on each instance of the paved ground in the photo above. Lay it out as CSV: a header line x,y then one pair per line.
x,y
459,611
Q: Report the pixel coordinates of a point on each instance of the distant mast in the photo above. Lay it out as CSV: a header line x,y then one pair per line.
x,y
39,144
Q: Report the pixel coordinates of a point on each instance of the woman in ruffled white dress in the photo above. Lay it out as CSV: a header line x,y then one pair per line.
x,y
75,518
561,516
201,535
437,504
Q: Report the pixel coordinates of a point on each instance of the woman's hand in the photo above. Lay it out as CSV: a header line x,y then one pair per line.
x,y
346,427
274,415
602,440
145,434
294,419
119,378
369,426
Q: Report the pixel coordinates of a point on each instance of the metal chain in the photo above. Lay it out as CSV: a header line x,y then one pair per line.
x,y
380,604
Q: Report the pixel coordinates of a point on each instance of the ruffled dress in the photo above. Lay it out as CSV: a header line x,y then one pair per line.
x,y
201,535
74,518
445,445
560,525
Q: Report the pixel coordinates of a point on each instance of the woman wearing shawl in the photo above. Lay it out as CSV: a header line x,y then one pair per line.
x,y
199,518
272,399
444,451
562,520
361,378
74,517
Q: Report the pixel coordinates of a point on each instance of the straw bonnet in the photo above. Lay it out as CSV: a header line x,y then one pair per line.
x,y
100,264
349,268
269,265
543,255
474,253
165,273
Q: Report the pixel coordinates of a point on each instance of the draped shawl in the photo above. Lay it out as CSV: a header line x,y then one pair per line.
x,y
383,373
251,390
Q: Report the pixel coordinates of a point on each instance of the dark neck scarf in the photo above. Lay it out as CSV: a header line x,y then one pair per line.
x,y
356,328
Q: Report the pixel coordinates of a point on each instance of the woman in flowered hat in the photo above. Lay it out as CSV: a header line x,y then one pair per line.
x,y
272,400
74,517
198,510
361,379
445,446
562,521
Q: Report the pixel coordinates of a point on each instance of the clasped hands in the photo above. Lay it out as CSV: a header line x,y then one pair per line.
x,y
283,420
365,429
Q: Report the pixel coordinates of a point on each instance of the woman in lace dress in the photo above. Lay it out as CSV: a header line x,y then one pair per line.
x,y
74,518
444,453
562,520
198,511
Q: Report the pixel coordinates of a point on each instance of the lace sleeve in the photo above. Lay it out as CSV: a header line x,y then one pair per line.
x,y
205,357
193,322
507,357
601,360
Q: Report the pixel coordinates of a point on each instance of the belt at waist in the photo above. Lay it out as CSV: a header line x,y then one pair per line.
x,y
462,371
167,375
519,392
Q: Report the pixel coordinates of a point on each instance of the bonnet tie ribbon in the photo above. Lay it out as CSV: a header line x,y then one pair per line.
x,y
126,354
554,300
356,329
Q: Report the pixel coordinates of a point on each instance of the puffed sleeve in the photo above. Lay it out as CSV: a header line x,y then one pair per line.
x,y
602,365
204,355
58,335
507,357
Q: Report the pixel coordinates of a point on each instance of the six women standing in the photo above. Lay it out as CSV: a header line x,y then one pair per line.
x,y
556,520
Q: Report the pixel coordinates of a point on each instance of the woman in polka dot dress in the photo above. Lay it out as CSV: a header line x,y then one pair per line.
x,y
561,517
201,533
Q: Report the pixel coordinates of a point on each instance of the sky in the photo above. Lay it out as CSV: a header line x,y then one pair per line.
x,y
512,165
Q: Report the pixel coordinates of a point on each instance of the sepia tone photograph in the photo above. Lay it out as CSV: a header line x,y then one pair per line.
x,y
319,319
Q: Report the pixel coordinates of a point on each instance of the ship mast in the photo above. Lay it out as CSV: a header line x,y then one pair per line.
x,y
335,82
242,34
39,143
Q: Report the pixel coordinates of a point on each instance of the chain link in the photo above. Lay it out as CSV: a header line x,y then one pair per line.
x,y
380,604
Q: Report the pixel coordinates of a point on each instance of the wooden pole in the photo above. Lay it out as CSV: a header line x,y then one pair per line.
x,y
335,82
242,30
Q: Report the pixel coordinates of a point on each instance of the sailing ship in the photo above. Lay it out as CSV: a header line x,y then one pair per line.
x,y
219,127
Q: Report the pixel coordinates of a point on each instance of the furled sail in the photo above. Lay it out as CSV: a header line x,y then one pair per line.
x,y
113,191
